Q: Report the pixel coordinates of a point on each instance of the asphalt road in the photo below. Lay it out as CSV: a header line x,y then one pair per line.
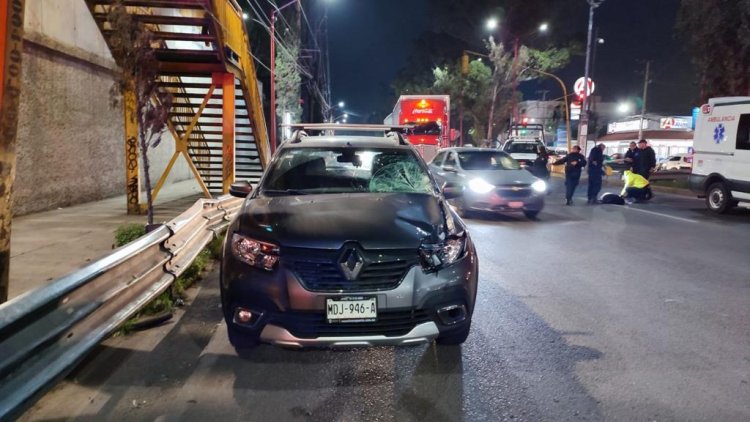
x,y
633,313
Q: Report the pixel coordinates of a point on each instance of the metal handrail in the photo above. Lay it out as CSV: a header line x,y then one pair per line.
x,y
44,333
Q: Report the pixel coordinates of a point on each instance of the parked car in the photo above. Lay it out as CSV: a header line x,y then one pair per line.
x,y
557,153
721,170
525,151
676,162
617,162
348,240
490,180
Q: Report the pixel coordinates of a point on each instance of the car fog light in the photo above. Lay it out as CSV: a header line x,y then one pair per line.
x,y
244,316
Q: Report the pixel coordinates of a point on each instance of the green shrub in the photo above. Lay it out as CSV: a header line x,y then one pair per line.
x,y
128,233
216,245
162,303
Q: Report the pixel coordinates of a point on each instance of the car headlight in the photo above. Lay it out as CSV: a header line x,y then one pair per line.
x,y
539,186
436,256
254,252
480,185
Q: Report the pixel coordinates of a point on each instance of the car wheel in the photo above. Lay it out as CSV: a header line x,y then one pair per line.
x,y
718,198
454,337
242,339
531,214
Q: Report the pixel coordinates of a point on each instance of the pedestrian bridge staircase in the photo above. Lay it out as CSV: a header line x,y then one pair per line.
x,y
205,62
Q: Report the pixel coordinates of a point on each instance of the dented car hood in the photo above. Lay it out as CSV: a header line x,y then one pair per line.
x,y
375,220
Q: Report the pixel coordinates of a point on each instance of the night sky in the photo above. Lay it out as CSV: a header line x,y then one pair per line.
x,y
370,41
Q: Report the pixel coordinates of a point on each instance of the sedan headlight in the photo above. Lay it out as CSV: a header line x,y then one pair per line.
x,y
437,256
480,185
539,186
254,252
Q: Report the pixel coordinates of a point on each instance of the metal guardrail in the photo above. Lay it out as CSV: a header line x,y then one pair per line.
x,y
44,333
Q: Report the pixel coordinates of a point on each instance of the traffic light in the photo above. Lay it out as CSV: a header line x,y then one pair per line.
x,y
465,64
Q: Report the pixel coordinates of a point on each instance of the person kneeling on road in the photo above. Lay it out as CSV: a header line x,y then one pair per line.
x,y
636,187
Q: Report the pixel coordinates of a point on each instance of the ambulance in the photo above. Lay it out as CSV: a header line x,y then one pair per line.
x,y
721,163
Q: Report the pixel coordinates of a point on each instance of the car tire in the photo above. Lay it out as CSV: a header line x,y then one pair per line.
x,y
242,339
454,337
718,198
531,215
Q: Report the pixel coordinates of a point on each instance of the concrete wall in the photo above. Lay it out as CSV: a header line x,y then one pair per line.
x,y
70,138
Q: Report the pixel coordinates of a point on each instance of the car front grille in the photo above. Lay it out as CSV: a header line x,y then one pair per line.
x,y
516,192
313,325
320,270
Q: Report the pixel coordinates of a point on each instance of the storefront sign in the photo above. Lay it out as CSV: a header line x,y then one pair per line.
x,y
626,126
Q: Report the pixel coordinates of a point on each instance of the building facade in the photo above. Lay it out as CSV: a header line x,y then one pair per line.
x,y
70,140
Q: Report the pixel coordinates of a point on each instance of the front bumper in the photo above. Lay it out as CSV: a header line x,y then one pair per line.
x,y
500,201
697,184
289,314
279,336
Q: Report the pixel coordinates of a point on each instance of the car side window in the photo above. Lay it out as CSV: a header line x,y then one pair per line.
x,y
438,160
743,132
451,160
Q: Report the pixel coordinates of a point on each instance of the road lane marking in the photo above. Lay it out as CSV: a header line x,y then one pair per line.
x,y
687,220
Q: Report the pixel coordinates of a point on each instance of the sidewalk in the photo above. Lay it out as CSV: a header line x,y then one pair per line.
x,y
50,244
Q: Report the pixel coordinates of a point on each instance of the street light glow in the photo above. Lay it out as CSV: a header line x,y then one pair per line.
x,y
543,27
341,104
623,108
492,24
600,40
245,16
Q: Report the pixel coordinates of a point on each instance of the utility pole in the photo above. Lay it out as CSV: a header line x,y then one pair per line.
x,y
11,48
645,94
583,124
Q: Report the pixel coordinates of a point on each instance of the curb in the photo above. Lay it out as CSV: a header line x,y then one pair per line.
x,y
614,183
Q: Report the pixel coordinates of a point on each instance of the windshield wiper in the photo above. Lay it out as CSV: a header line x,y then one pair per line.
x,y
282,192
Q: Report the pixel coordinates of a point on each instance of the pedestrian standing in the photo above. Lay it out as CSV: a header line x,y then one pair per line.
x,y
539,167
574,163
630,155
644,161
596,169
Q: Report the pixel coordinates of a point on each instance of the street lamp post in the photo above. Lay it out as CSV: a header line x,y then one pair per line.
x,y
583,124
331,112
565,101
273,72
492,25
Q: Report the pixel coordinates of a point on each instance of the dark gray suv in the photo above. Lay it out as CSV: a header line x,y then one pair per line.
x,y
347,241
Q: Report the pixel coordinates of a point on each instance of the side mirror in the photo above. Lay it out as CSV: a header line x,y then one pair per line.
x,y
450,169
452,190
240,189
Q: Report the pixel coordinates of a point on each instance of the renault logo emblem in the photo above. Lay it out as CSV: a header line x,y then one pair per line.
x,y
351,263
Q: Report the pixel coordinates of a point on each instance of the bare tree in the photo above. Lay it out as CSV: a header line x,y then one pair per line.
x,y
133,48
